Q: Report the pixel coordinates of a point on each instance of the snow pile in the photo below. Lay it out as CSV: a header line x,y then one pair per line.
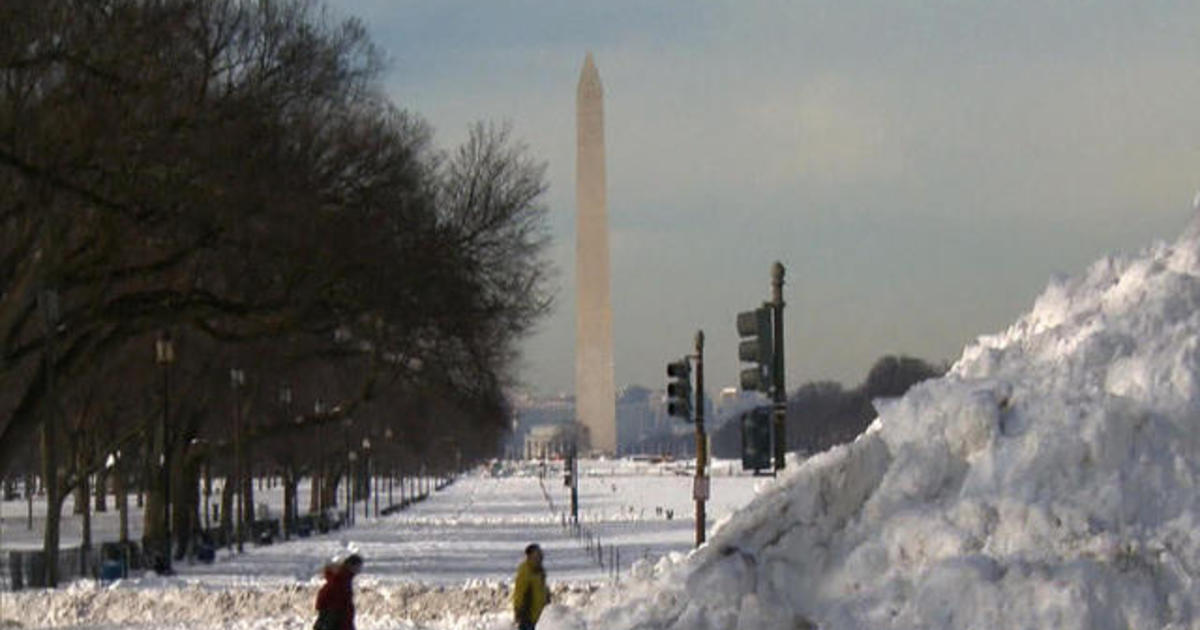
x,y
156,603
1048,481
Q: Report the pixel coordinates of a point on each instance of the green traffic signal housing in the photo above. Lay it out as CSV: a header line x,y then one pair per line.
x,y
679,389
756,439
756,347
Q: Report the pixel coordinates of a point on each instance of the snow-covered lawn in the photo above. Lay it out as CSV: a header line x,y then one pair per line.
x,y
444,562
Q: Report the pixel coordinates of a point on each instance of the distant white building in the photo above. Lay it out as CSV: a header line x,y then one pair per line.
x,y
550,440
641,414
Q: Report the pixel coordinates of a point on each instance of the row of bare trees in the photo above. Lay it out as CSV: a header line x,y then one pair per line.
x,y
229,174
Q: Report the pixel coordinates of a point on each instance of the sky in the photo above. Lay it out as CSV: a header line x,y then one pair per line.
x,y
921,169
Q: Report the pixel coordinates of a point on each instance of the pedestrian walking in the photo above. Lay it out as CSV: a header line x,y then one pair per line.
x,y
530,594
335,600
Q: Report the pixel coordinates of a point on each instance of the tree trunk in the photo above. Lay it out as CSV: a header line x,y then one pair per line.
x,y
248,509
83,491
87,511
227,510
101,494
154,526
331,488
81,499
53,504
314,493
289,501
186,492
120,488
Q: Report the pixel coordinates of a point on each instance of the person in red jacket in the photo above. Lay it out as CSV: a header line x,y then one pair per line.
x,y
335,600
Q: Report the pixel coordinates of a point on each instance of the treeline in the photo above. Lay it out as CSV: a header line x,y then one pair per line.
x,y
823,414
225,179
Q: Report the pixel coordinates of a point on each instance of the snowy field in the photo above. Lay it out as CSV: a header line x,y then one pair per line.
x,y
442,563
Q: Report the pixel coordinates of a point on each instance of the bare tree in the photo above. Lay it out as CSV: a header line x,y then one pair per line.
x,y
229,171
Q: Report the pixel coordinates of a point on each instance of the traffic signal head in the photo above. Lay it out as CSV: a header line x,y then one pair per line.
x,y
756,439
756,347
679,389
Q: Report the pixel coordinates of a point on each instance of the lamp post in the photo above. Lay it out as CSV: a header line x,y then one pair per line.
x,y
319,482
366,445
237,378
164,355
289,488
346,424
352,457
207,491
391,466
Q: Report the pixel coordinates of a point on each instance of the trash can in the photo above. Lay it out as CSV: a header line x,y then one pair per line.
x,y
206,553
112,570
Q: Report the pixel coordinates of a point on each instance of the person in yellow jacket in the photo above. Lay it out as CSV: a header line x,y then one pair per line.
x,y
530,594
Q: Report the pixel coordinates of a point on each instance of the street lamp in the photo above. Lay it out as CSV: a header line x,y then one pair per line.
x,y
350,482
391,464
346,424
237,378
290,503
318,409
366,445
164,355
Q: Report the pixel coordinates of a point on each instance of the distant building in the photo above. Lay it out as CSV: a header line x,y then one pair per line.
x,y
551,440
636,416
530,412
643,425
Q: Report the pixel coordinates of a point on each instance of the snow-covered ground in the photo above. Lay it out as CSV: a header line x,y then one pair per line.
x,y
443,563
1049,480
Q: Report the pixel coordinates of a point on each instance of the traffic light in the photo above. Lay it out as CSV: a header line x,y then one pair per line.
x,y
679,389
568,469
754,327
756,439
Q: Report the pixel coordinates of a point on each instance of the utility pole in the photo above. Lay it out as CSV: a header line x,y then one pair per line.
x,y
779,387
573,471
700,490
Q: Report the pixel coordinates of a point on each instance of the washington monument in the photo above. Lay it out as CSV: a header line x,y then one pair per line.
x,y
595,402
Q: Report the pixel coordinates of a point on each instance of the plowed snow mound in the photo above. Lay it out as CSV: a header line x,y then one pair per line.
x,y
1048,481
388,606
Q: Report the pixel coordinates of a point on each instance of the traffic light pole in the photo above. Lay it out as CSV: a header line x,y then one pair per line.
x,y
574,472
779,388
700,486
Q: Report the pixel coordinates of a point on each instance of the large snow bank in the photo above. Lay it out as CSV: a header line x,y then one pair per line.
x,y
1049,480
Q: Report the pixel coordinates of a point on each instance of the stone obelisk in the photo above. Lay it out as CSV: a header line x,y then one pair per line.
x,y
595,400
